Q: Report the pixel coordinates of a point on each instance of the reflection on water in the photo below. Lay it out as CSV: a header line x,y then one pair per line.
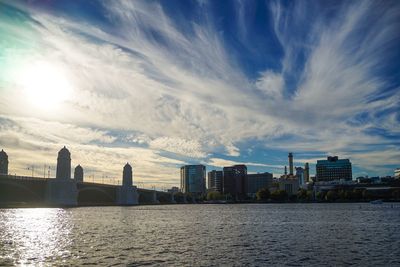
x,y
203,235
34,235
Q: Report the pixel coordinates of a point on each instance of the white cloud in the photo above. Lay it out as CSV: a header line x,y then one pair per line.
x,y
184,93
218,162
271,84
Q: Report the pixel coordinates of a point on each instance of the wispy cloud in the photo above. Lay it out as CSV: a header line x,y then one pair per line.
x,y
143,84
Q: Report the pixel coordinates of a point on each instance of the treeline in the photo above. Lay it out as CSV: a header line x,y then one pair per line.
x,y
338,195
303,195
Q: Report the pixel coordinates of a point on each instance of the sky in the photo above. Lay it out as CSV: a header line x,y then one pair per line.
x,y
161,84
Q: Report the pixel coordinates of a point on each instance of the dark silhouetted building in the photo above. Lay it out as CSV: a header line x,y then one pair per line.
x,y
333,169
234,181
127,179
215,181
307,172
193,179
290,156
3,162
257,181
63,164
78,173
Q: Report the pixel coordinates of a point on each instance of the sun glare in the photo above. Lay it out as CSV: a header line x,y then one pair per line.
x,y
45,85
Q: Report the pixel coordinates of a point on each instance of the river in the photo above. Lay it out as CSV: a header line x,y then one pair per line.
x,y
203,235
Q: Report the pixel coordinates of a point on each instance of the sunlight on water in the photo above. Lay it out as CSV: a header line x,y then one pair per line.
x,y
34,235
339,234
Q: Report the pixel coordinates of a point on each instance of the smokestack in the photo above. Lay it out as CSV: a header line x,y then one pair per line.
x,y
307,172
285,171
290,163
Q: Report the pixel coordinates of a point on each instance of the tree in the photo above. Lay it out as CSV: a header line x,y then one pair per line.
x,y
366,195
302,194
357,194
214,195
279,195
310,195
332,195
263,194
348,195
320,196
342,195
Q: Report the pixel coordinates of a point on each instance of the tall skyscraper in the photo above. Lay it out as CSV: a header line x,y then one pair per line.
x,y
193,179
127,177
78,174
63,164
3,162
215,180
290,164
307,172
333,169
234,181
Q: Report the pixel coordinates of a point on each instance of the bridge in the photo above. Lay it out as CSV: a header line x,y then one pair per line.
x,y
32,191
65,191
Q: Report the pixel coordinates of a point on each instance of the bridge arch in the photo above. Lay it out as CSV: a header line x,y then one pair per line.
x,y
15,191
95,196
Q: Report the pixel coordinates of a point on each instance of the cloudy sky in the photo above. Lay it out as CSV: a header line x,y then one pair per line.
x,y
163,84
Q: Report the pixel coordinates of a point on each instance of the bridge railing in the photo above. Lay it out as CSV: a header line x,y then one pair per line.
x,y
8,176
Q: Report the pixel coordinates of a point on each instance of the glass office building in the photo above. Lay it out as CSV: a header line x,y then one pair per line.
x,y
333,168
193,179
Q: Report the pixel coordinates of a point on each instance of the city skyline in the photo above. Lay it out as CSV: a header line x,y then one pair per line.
x,y
167,84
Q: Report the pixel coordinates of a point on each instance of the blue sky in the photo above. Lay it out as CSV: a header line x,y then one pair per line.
x,y
163,84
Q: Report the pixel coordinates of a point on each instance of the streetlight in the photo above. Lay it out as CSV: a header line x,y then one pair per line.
x,y
32,168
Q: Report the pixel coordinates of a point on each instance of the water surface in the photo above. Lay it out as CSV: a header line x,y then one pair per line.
x,y
203,235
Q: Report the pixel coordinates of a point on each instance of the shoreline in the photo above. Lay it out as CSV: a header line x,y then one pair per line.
x,y
37,205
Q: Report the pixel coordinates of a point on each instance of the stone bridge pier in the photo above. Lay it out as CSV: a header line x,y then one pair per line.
x,y
62,190
127,193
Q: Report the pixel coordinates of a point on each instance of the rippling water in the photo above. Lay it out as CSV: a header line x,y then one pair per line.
x,y
203,235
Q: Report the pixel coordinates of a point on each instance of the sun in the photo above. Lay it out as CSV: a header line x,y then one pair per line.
x,y
45,85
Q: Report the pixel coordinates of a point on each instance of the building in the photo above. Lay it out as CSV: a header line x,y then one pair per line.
x,y
257,181
78,173
127,176
215,180
300,175
290,175
396,173
333,169
193,179
234,181
3,162
290,185
63,164
307,172
290,156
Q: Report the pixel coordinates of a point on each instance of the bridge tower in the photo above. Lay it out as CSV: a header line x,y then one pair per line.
x,y
127,193
62,190
63,164
78,174
127,177
3,162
